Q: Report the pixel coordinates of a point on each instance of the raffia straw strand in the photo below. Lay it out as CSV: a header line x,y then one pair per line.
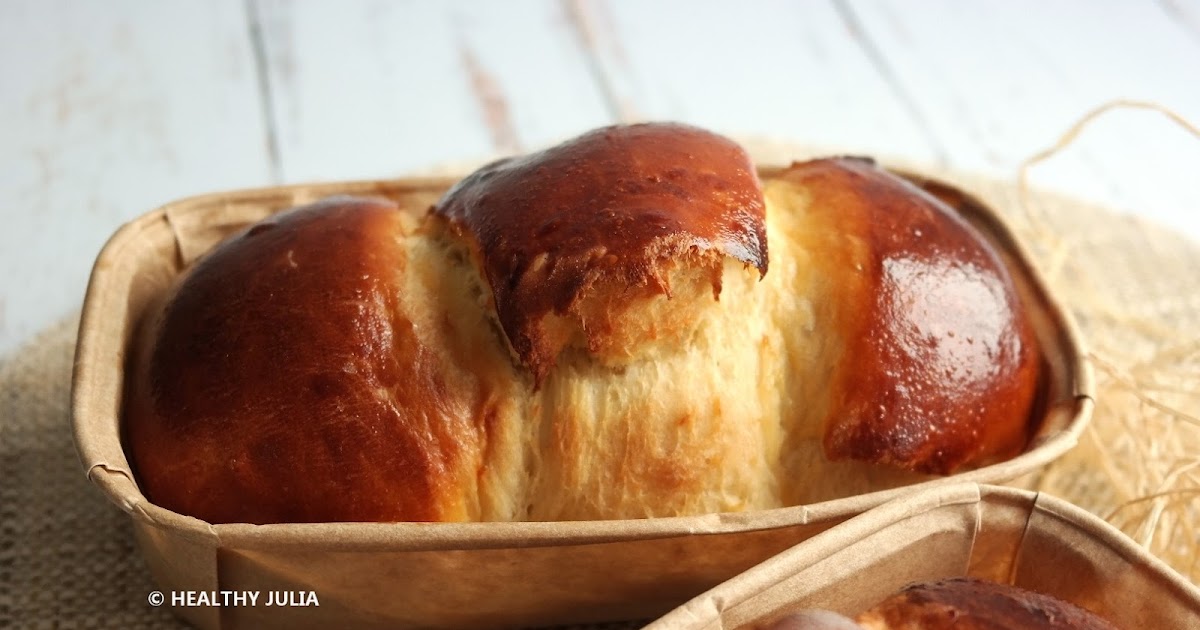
x,y
1139,427
1065,140
1106,461
1157,509
1151,497
1076,129
1136,389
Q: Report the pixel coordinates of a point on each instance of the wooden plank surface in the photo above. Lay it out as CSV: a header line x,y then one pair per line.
x,y
374,89
109,110
999,80
106,111
785,70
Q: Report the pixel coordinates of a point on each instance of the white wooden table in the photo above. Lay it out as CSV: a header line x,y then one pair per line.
x,y
108,109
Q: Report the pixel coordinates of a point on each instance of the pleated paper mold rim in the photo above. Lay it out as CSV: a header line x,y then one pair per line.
x,y
1007,535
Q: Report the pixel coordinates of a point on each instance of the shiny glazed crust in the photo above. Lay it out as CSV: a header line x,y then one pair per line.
x,y
942,364
263,393
587,333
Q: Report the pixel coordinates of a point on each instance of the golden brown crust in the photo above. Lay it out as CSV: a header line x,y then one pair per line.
x,y
941,366
340,362
284,384
606,214
971,604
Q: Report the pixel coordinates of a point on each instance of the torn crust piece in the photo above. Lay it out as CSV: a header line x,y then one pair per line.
x,y
573,241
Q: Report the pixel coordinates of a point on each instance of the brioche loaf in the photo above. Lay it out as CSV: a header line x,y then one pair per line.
x,y
594,331
960,604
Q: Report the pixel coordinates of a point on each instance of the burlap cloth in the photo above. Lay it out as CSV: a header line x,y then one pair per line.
x,y
67,556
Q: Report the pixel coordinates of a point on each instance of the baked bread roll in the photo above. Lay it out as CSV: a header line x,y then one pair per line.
x,y
958,604
595,331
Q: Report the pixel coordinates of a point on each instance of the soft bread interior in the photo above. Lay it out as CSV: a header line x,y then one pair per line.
x,y
726,417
